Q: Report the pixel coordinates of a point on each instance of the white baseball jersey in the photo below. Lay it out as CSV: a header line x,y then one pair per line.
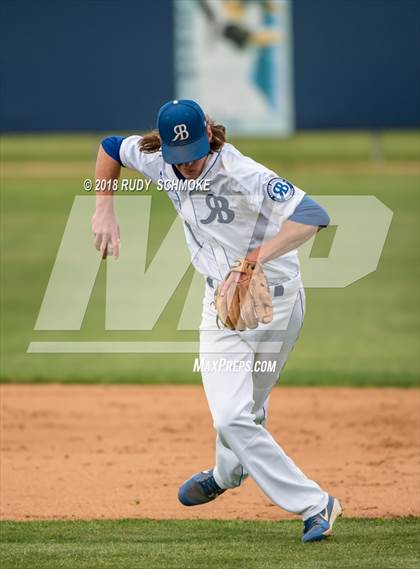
x,y
244,205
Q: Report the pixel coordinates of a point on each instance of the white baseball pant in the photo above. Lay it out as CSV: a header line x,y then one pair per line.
x,y
238,393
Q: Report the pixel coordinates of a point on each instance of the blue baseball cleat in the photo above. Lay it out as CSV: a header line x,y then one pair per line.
x,y
319,527
199,489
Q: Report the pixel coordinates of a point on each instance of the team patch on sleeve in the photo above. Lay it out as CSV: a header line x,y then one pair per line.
x,y
280,190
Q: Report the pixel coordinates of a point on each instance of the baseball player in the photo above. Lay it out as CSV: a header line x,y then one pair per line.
x,y
243,228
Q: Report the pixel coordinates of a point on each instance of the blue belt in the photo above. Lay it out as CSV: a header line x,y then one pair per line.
x,y
277,291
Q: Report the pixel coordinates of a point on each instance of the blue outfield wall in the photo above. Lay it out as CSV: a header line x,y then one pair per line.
x,y
107,65
85,65
357,63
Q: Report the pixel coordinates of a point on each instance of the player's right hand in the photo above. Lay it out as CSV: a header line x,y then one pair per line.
x,y
107,233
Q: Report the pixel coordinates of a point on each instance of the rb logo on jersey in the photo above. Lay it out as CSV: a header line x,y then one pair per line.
x,y
280,190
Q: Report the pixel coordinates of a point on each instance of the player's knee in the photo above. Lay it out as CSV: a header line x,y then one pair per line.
x,y
223,425
228,423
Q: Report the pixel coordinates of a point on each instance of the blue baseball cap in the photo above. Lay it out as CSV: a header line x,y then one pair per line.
x,y
182,127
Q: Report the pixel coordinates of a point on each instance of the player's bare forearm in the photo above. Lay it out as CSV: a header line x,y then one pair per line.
x,y
106,169
291,236
104,222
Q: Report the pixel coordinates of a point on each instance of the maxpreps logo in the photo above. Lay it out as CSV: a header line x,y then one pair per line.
x,y
280,190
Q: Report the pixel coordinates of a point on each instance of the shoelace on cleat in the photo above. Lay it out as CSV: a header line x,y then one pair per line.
x,y
210,486
314,521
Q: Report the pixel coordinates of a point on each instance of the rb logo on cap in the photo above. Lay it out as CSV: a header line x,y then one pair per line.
x,y
181,132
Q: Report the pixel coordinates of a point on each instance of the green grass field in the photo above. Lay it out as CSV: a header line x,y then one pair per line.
x,y
361,544
365,334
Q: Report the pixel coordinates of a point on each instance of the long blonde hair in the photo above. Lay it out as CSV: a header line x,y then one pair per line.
x,y
151,143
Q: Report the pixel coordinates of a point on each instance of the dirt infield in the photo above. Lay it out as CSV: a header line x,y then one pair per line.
x,y
122,451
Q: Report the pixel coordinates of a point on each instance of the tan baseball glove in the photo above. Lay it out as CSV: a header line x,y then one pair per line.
x,y
246,302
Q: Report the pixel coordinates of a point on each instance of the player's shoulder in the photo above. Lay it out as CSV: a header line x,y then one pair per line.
x,y
243,168
255,178
234,161
130,149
